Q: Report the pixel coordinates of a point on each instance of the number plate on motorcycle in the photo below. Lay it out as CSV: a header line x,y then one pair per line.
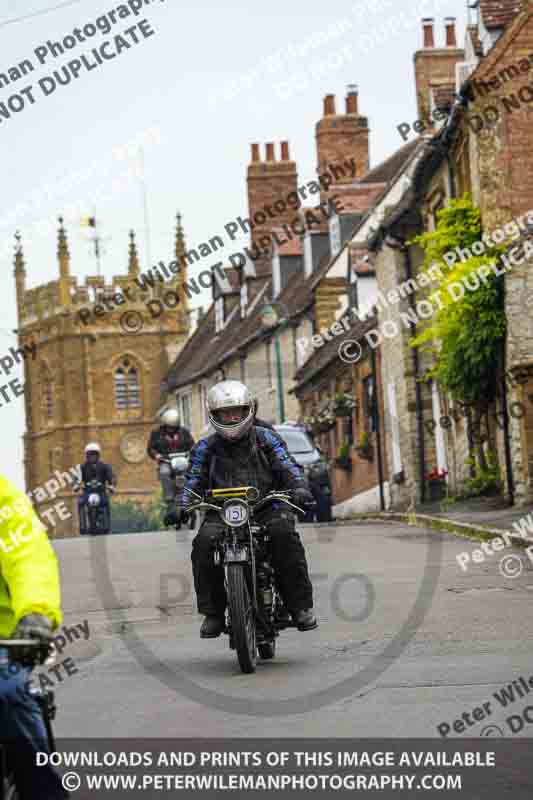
x,y
235,513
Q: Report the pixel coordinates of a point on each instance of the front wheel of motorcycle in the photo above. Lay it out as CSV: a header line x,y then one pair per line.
x,y
242,618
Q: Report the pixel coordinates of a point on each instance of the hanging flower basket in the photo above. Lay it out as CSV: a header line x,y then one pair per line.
x,y
344,405
364,448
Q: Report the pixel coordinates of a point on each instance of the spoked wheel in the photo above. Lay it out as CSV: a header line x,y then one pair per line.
x,y
242,618
267,650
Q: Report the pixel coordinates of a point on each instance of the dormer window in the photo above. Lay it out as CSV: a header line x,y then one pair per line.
x,y
276,275
308,255
219,314
244,298
335,235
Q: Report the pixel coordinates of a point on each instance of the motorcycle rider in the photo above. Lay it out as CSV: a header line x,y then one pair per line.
x,y
94,470
170,437
240,453
29,609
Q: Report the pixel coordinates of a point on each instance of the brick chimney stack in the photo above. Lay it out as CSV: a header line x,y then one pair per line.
x,y
341,137
435,65
427,27
451,40
351,98
269,184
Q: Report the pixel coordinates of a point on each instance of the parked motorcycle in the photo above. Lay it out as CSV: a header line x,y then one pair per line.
x,y
95,515
179,463
45,700
255,612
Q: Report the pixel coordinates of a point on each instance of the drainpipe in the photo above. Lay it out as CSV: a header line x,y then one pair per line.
x,y
507,443
377,423
416,368
418,387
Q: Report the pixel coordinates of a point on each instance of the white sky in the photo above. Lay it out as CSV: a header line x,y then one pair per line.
x,y
174,82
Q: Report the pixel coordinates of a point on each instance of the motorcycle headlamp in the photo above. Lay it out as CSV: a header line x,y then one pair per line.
x,y
94,499
235,513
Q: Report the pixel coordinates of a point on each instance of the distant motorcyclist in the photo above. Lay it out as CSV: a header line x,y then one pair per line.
x,y
94,470
169,437
241,453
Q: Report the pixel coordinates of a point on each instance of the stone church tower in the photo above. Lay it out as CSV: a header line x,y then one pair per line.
x,y
97,371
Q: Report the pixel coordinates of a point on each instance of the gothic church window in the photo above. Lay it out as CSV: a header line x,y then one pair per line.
x,y
127,386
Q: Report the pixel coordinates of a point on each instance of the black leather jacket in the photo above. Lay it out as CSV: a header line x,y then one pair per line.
x,y
259,459
161,442
97,472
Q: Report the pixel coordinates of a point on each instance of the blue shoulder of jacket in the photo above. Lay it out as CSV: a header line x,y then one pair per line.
x,y
271,438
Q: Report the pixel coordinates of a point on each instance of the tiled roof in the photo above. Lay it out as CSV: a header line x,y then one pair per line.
x,y
388,169
498,13
322,357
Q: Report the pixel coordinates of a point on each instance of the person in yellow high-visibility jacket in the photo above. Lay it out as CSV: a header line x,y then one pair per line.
x,y
29,609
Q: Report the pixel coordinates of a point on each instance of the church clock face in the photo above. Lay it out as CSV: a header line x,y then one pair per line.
x,y
133,448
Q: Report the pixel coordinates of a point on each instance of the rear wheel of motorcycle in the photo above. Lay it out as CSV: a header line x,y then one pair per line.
x,y
242,618
267,650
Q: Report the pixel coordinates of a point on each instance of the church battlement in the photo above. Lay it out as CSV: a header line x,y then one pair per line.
x,y
56,297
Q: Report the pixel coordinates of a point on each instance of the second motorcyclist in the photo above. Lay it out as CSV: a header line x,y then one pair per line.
x,y
169,437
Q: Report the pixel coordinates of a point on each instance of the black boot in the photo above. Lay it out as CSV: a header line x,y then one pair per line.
x,y
305,620
212,627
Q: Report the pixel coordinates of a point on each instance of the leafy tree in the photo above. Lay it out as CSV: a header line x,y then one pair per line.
x,y
464,335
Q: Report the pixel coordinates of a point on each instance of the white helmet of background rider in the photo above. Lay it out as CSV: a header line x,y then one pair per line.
x,y
92,447
226,395
170,418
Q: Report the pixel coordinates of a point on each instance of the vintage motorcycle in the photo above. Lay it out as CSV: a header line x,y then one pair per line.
x,y
255,612
45,700
95,516
179,463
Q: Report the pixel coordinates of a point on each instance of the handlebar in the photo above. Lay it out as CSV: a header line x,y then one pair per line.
x,y
21,643
270,497
43,652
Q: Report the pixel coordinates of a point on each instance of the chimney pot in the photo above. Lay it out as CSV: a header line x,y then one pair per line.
x,y
451,40
329,105
351,98
427,25
285,151
270,151
256,155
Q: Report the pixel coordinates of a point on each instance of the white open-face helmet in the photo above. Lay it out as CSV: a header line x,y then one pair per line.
x,y
92,447
226,395
170,418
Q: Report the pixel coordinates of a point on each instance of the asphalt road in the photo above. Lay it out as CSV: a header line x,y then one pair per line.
x,y
407,642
